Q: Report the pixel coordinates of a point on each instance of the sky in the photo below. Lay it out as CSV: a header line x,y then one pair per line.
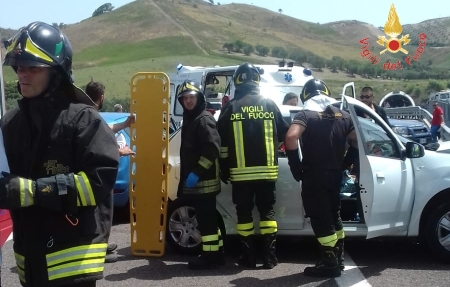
x,y
318,11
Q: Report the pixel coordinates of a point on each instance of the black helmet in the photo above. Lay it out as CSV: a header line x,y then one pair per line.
x,y
43,45
190,87
246,74
313,88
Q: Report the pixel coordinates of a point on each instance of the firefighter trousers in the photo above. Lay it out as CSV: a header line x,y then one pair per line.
x,y
206,214
245,196
322,203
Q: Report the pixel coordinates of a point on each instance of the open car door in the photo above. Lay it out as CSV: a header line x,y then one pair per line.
x,y
349,91
385,178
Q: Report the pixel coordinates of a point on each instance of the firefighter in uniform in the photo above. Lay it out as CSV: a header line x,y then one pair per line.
x,y
63,162
199,172
250,127
324,131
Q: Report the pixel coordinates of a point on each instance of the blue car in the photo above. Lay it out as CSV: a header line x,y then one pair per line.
x,y
123,176
411,129
121,188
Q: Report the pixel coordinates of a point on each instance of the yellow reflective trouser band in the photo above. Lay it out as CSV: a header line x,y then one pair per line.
x,y
224,152
254,173
206,163
239,144
84,189
220,237
206,186
20,262
245,229
75,261
268,134
26,192
268,227
210,242
340,234
328,240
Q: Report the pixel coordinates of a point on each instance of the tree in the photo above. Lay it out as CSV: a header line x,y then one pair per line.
x,y
248,49
107,7
279,52
228,46
280,10
262,50
319,63
211,1
239,45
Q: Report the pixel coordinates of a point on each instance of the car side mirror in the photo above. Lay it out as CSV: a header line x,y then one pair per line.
x,y
414,150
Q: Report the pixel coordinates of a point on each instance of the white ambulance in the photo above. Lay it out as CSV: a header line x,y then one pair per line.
x,y
217,82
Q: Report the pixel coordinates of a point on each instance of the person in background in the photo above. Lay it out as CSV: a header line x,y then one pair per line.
x,y
96,91
436,121
63,161
367,97
118,108
290,99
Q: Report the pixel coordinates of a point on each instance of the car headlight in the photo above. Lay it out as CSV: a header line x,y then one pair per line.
x,y
403,131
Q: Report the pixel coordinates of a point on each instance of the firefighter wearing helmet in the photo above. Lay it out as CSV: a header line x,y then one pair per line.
x,y
324,131
250,127
63,160
199,172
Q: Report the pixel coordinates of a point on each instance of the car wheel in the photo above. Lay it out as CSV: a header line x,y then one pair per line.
x,y
181,228
182,233
438,232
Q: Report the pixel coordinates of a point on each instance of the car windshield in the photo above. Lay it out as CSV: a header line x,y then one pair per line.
x,y
277,93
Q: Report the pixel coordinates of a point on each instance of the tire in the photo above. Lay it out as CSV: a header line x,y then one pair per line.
x,y
438,229
181,228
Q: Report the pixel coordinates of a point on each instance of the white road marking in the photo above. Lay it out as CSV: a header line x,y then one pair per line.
x,y
10,237
351,276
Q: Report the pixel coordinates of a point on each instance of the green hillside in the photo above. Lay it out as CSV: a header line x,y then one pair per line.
x,y
156,35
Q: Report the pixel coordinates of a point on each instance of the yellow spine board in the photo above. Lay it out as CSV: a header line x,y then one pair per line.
x,y
149,168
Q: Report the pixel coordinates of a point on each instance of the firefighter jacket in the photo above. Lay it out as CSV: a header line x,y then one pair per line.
x,y
66,158
250,128
199,153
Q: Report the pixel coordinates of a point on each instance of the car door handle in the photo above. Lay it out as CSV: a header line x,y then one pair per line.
x,y
379,174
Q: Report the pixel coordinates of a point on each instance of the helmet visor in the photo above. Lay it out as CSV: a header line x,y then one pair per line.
x,y
15,62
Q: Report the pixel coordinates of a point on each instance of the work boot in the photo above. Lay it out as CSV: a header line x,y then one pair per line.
x,y
269,247
247,258
111,258
340,253
327,267
111,247
206,260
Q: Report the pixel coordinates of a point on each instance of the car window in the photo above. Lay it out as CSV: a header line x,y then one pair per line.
x,y
377,142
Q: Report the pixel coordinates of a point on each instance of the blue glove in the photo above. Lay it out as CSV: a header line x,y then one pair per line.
x,y
191,180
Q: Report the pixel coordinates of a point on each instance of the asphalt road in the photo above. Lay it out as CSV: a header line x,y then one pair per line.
x,y
389,264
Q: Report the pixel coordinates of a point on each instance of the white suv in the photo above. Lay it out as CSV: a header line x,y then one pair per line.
x,y
402,192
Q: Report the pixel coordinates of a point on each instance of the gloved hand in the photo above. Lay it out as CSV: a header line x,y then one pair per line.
x,y
191,180
10,192
295,165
